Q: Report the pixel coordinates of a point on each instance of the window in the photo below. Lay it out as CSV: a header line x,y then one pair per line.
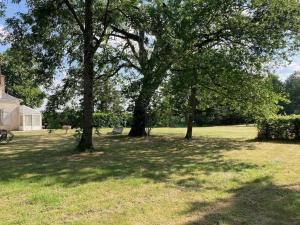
x,y
36,120
28,121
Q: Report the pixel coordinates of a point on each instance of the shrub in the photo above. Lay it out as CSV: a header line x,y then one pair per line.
x,y
55,120
280,128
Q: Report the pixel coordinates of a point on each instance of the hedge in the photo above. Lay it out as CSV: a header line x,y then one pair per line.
x,y
111,119
280,128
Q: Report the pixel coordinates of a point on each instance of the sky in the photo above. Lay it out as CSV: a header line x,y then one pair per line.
x,y
283,71
11,10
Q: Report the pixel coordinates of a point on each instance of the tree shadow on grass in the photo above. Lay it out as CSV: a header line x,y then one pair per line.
x,y
290,142
259,202
32,159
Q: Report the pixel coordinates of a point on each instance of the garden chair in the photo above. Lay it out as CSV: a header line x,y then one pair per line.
x,y
6,136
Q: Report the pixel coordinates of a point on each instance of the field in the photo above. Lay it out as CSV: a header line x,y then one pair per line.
x,y
222,177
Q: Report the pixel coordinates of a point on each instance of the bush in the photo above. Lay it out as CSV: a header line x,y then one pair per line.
x,y
280,128
55,120
111,119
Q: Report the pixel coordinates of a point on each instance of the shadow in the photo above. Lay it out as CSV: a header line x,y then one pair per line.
x,y
258,202
52,160
290,142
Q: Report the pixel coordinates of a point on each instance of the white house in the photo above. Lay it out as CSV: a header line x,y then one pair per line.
x,y
13,115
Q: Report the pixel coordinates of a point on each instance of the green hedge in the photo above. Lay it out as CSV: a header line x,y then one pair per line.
x,y
111,119
56,120
280,128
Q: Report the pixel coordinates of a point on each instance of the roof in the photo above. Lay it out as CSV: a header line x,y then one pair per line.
x,y
25,110
8,97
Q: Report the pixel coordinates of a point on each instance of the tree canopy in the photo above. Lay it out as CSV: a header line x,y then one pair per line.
x,y
21,80
292,88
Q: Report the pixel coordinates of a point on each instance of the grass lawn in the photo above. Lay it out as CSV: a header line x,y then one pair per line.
x,y
222,177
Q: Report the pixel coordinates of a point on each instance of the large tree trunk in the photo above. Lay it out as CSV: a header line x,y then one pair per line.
x,y
138,126
191,114
86,141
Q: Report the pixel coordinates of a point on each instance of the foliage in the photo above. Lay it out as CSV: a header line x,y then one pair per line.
x,y
292,88
67,36
222,89
55,120
71,116
221,115
277,84
225,55
21,79
219,49
280,128
147,36
101,119
107,97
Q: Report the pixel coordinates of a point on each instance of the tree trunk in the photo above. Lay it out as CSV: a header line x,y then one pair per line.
x,y
191,114
139,121
138,127
86,141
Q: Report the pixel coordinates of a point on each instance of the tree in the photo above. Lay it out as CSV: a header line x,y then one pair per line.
x,y
158,37
67,116
227,46
278,85
161,28
21,79
292,87
64,34
224,83
147,36
107,97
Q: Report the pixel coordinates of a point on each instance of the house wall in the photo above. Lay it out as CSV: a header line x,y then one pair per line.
x,y
11,115
35,126
2,85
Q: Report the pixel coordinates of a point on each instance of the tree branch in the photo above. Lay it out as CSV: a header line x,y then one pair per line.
x,y
127,34
210,38
133,65
105,25
72,10
116,70
118,36
132,49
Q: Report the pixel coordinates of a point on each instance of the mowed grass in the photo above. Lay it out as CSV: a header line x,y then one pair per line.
x,y
222,177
